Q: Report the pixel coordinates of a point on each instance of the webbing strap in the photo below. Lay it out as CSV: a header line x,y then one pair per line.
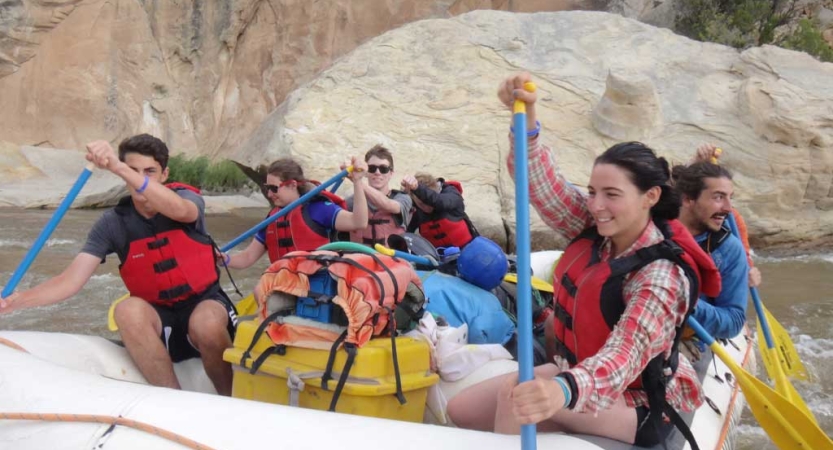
x,y
328,371
351,357
274,350
258,333
392,330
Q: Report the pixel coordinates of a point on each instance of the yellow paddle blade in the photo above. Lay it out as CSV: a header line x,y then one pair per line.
x,y
537,283
247,306
787,355
785,388
111,313
786,424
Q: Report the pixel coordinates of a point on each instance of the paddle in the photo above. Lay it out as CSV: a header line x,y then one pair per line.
x,y
537,283
248,305
523,250
785,423
47,230
786,356
422,260
773,367
286,209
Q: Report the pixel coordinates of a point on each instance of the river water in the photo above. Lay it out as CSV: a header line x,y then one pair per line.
x,y
798,290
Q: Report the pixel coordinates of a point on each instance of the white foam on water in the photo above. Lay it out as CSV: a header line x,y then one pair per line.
x,y
817,348
26,244
54,242
105,278
813,258
14,243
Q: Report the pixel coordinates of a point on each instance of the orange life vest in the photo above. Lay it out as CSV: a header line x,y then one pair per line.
x,y
369,289
380,225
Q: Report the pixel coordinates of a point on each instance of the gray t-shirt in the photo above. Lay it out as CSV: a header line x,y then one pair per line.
x,y
108,234
405,206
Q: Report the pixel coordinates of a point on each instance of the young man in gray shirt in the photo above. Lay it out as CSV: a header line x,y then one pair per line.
x,y
176,309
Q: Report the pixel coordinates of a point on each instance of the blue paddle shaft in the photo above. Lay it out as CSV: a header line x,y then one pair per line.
x,y
413,258
700,331
756,299
523,250
47,231
284,211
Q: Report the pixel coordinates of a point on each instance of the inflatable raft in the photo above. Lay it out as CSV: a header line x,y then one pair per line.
x,y
83,392
66,391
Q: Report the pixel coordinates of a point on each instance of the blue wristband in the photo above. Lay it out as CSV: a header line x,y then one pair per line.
x,y
144,185
568,394
227,259
531,133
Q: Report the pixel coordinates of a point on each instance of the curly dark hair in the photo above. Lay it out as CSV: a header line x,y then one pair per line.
x,y
147,145
690,180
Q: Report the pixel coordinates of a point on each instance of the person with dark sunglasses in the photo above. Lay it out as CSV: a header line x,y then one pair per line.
x,y
389,210
308,226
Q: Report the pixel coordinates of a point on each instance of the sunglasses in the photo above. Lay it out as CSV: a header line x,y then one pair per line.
x,y
274,189
372,168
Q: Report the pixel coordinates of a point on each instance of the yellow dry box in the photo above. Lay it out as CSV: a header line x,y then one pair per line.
x,y
370,389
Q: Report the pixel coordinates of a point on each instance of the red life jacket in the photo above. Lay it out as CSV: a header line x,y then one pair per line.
x,y
164,261
447,230
589,303
297,230
381,224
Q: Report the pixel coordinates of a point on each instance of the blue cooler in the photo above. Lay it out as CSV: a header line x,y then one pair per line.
x,y
318,306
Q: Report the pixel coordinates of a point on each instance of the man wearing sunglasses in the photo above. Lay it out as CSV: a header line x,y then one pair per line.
x,y
389,210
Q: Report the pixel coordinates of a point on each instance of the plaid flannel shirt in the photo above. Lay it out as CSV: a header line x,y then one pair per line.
x,y
656,298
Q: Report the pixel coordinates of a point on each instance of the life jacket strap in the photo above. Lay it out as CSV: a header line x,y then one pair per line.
x,y
563,316
175,292
372,241
158,243
164,266
568,284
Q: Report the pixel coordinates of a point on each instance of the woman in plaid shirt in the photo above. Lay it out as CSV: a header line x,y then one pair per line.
x,y
628,189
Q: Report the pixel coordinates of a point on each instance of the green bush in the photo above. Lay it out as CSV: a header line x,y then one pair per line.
x,y
747,23
807,38
202,173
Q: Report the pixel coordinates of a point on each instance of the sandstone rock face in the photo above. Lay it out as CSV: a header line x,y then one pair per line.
x,y
200,75
629,110
43,176
433,103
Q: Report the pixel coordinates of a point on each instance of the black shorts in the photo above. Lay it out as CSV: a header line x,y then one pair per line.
x,y
646,434
175,323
